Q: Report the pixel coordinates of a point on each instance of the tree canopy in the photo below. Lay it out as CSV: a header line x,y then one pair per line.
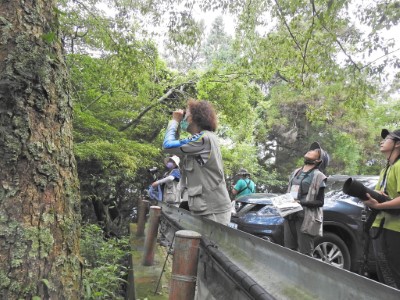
x,y
288,73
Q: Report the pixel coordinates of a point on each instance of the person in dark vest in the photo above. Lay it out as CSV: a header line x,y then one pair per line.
x,y
170,181
244,185
307,185
203,181
386,228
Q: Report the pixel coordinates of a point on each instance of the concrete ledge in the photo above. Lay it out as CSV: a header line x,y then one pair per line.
x,y
143,280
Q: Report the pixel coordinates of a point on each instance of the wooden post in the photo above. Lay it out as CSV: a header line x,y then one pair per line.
x,y
143,204
151,236
184,265
130,286
131,291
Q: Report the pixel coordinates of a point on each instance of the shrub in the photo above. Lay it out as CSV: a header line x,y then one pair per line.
x,y
104,275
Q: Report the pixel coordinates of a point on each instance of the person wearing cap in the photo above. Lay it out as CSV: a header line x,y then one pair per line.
x,y
307,185
203,181
386,228
244,185
170,181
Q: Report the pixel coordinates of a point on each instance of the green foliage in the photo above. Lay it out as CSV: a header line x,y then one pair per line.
x,y
118,118
381,14
49,37
122,155
245,155
229,94
290,75
104,274
240,155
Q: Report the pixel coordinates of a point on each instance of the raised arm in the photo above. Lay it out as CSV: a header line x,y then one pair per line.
x,y
197,144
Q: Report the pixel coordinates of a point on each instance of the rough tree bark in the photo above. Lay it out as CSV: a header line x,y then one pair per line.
x,y
39,190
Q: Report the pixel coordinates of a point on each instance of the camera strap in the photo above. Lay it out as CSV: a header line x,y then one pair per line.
x,y
363,271
366,237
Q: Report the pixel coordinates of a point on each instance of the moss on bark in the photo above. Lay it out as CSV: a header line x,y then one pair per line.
x,y
39,190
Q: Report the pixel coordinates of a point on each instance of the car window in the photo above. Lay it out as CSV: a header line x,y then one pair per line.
x,y
334,185
336,195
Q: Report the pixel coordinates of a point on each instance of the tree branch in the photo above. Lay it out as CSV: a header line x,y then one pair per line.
x,y
94,101
367,65
303,52
164,97
336,39
287,26
304,55
134,122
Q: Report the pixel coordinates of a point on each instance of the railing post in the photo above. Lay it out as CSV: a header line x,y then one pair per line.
x,y
184,265
130,289
143,204
151,236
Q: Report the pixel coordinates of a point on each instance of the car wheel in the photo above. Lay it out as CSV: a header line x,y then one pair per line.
x,y
331,249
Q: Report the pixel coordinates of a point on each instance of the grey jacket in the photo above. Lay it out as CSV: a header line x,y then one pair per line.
x,y
202,171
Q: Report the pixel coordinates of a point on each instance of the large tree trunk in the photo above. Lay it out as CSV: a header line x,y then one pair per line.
x,y
39,191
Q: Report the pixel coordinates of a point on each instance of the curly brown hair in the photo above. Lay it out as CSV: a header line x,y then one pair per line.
x,y
203,114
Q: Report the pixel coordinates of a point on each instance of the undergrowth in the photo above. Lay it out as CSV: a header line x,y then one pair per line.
x,y
105,273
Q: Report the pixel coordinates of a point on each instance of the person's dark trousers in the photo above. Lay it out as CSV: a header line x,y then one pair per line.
x,y
293,237
387,255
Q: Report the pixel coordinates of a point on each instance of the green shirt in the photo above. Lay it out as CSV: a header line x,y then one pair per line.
x,y
392,221
246,186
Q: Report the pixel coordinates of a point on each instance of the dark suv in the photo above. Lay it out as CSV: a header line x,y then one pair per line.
x,y
342,241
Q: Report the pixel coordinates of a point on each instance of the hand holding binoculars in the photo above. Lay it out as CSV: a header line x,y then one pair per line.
x,y
180,112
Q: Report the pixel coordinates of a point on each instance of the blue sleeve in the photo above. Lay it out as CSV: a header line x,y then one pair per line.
x,y
196,144
171,135
176,173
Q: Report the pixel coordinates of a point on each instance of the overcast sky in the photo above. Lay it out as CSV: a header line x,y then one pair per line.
x,y
229,21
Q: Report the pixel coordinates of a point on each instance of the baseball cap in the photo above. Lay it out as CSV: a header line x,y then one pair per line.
x,y
395,134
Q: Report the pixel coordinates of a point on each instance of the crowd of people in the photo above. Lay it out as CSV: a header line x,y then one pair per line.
x,y
195,176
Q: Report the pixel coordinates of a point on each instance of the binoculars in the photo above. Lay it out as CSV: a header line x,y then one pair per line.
x,y
171,112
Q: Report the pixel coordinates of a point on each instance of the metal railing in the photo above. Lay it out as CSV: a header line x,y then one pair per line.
x,y
236,265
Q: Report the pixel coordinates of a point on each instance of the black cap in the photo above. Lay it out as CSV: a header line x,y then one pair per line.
x,y
243,172
395,134
314,146
324,156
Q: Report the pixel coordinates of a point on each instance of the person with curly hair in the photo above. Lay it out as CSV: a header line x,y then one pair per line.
x,y
202,179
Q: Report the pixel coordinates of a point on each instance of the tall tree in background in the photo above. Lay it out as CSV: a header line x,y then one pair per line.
x,y
312,60
122,93
218,46
39,191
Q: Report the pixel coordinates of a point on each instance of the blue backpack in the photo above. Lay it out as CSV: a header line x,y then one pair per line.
x,y
155,193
